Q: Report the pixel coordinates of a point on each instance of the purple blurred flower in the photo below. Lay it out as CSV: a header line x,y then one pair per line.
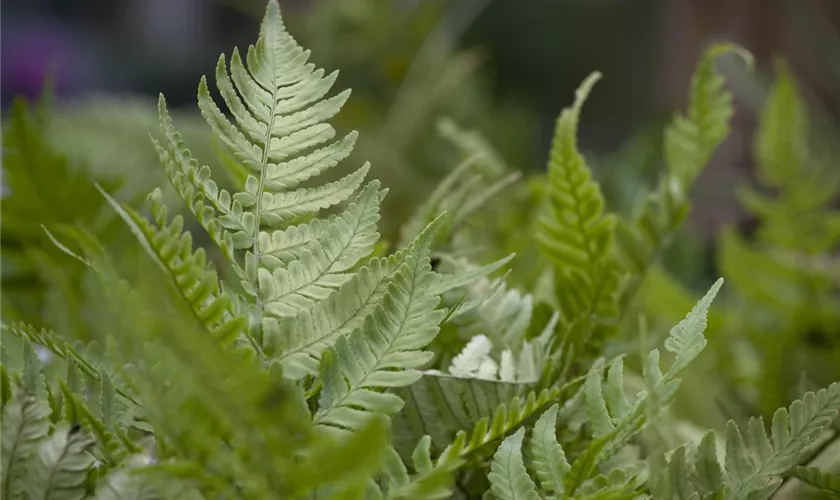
x,y
33,50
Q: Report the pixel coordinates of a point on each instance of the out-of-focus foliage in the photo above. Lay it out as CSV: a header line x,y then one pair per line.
x,y
779,321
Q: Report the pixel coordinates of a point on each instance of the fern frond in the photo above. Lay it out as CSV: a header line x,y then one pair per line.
x,y
577,234
691,138
279,110
59,469
824,481
548,457
192,275
344,238
298,343
319,270
757,466
801,217
25,425
509,479
391,338
505,418
755,463
782,144
614,420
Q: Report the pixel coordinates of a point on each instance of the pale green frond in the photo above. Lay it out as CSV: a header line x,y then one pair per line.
x,y
708,474
548,457
283,111
320,267
386,351
509,479
345,237
279,208
824,481
25,425
60,466
801,216
298,342
33,380
614,420
754,462
690,141
576,233
686,339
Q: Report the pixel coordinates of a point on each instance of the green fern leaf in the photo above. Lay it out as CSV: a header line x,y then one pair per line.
x,y
692,138
344,238
297,343
549,459
509,479
66,351
505,418
61,465
614,421
578,233
193,277
25,426
391,338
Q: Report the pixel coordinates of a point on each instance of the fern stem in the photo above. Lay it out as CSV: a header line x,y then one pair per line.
x,y
258,207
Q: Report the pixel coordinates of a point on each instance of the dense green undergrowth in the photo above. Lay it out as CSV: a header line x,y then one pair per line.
x,y
282,350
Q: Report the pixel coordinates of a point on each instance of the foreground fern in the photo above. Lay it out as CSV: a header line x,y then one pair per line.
x,y
318,370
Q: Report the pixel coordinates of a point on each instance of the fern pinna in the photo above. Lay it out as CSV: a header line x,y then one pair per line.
x,y
318,370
